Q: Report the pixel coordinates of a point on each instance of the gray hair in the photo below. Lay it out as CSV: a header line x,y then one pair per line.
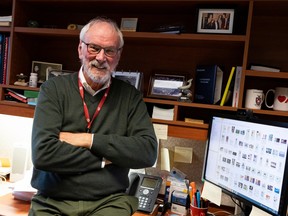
x,y
102,19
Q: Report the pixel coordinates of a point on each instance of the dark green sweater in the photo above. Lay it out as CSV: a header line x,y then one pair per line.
x,y
123,134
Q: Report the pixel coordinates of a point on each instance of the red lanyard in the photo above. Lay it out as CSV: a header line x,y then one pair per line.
x,y
98,109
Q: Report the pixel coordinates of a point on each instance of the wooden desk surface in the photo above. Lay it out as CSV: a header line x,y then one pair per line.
x,y
13,207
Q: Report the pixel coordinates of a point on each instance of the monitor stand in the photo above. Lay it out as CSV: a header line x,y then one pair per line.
x,y
245,211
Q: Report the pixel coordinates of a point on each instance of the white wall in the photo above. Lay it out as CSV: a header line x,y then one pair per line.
x,y
15,130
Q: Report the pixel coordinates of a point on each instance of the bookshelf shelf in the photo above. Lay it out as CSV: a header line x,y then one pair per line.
x,y
281,75
5,29
181,123
20,87
185,36
281,114
47,31
140,35
195,105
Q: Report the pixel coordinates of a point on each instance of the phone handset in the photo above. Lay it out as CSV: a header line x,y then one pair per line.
x,y
134,179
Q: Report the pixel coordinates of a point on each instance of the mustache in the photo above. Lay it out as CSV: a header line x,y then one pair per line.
x,y
95,63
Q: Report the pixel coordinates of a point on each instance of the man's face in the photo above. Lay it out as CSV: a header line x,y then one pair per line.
x,y
95,51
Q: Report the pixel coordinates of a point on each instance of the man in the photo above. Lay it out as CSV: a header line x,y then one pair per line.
x,y
89,129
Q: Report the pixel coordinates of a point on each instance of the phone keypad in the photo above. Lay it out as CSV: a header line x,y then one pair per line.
x,y
143,202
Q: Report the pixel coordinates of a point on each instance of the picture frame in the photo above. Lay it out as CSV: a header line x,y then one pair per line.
x,y
41,69
165,86
133,78
129,24
219,21
54,73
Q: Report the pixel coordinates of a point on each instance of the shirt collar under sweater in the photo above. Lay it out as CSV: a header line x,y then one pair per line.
x,y
87,87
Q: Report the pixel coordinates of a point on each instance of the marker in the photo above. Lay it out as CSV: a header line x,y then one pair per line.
x,y
193,185
190,194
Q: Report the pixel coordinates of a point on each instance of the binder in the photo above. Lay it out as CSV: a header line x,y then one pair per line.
x,y
208,84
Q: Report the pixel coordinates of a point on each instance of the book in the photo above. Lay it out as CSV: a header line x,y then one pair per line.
x,y
31,94
16,96
6,18
208,84
1,57
5,59
17,93
194,121
264,68
5,23
171,29
32,101
226,91
236,90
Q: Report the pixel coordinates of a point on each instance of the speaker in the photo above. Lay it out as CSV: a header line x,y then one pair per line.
x,y
19,163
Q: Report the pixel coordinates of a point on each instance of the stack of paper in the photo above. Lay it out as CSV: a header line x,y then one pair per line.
x,y
22,189
5,20
161,113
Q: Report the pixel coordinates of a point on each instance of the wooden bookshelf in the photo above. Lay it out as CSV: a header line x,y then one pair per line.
x,y
259,37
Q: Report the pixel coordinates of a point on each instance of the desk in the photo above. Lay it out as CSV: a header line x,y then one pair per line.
x,y
13,207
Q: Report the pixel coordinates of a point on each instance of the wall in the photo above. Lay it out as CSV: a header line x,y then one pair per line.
x,y
14,130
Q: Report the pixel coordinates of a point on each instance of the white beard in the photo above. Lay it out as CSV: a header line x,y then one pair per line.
x,y
104,68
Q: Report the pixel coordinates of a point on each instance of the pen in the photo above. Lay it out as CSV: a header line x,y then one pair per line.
x,y
198,199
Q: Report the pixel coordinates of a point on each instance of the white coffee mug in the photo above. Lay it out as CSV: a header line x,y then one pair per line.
x,y
280,99
254,98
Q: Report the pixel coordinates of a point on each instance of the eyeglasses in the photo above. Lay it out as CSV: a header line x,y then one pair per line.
x,y
94,49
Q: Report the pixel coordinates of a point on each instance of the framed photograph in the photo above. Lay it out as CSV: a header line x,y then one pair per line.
x,y
55,73
215,21
41,68
129,24
165,86
133,78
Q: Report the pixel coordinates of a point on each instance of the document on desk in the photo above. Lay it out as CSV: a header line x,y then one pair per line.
x,y
161,131
183,154
165,159
6,188
258,212
23,189
212,193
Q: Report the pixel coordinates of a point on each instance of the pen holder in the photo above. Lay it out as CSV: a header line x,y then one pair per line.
x,y
195,211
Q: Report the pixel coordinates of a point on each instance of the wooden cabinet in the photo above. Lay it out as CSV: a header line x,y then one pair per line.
x,y
259,37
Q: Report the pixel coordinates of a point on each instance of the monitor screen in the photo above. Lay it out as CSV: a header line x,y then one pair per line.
x,y
247,158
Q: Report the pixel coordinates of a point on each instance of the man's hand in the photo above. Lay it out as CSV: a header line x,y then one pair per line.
x,y
77,139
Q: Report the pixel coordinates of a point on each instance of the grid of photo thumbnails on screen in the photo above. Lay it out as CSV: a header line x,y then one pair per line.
x,y
249,160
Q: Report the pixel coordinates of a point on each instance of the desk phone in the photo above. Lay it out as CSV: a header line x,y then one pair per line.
x,y
146,188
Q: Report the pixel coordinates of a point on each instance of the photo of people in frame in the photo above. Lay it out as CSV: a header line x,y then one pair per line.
x,y
215,20
41,68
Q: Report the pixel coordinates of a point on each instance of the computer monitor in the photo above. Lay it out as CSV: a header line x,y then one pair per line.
x,y
247,159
